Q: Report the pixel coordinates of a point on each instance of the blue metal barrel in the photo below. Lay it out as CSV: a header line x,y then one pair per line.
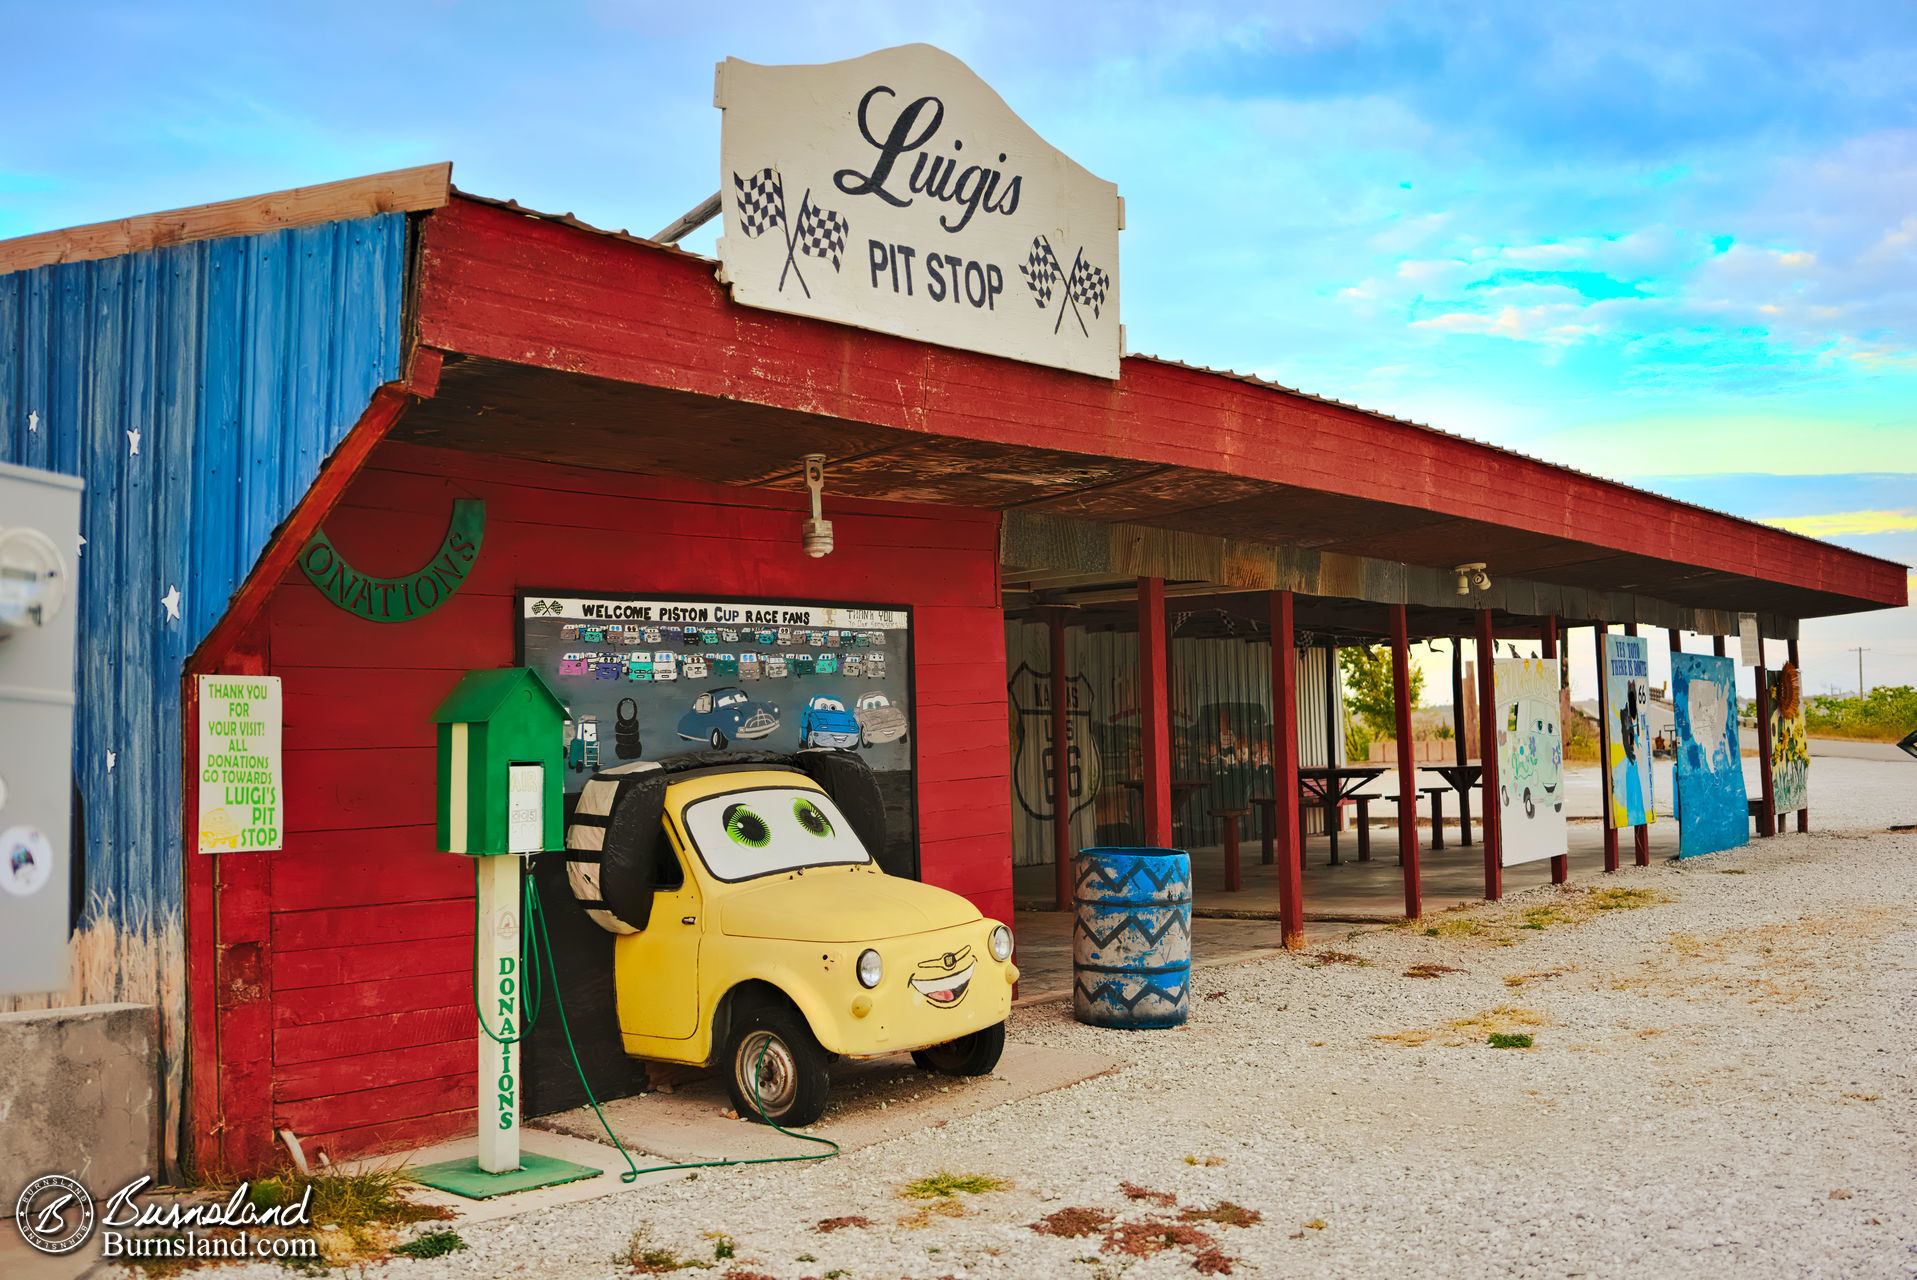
x,y
1131,939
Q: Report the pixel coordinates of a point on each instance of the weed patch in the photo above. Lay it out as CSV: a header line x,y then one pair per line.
x,y
1074,1223
1537,975
1431,970
1508,1040
943,1186
1325,959
1133,1191
1502,1020
1225,1214
651,1260
829,1225
433,1244
1155,1235
1209,1162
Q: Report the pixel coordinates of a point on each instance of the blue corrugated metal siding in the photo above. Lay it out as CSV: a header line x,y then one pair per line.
x,y
241,362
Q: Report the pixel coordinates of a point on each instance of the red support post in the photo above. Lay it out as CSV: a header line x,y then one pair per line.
x,y
1641,833
1488,755
1154,705
1767,808
1061,767
1407,767
1803,815
1598,631
1284,772
1548,634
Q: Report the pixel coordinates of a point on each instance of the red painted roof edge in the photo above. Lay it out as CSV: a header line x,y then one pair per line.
x,y
1770,530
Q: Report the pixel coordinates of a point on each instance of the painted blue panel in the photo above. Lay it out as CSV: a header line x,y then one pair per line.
x,y
1712,806
241,363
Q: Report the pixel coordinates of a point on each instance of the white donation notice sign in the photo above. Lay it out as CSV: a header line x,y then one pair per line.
x,y
240,793
898,192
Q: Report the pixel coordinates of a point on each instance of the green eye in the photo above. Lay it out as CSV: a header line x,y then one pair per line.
x,y
746,827
811,818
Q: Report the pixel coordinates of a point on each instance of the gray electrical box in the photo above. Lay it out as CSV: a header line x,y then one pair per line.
x,y
39,597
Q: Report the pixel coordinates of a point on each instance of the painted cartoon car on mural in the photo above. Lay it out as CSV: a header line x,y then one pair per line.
x,y
758,936
1537,756
880,720
727,714
826,723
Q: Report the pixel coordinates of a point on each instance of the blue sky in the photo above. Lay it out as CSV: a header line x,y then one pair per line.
x,y
1673,244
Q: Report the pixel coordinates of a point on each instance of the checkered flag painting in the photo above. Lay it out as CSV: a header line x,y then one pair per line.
x,y
1041,271
821,233
1088,285
761,201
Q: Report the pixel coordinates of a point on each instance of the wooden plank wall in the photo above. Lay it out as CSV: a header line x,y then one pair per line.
x,y
367,945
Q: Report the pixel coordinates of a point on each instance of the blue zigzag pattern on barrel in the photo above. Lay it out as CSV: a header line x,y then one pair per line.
x,y
1131,938
1112,991
1136,921
1116,870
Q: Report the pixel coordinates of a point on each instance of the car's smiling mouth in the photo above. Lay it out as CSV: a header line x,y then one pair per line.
x,y
945,991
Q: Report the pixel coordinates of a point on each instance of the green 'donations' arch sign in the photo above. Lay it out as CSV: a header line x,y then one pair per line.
x,y
399,599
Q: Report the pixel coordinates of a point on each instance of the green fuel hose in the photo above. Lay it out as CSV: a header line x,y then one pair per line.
x,y
533,942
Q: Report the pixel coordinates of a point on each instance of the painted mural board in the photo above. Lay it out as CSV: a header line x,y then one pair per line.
x,y
897,192
241,804
1627,730
1712,804
644,677
1790,745
1530,760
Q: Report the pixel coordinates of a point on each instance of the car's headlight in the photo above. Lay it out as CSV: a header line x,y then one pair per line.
x,y
1001,943
871,968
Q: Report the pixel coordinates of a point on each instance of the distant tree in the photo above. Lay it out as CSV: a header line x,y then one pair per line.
x,y
1368,693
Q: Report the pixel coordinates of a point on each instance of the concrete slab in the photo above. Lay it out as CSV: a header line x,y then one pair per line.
x,y
873,1100
79,1095
558,1145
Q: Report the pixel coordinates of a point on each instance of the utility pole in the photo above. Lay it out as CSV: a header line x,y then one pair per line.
x,y
1860,652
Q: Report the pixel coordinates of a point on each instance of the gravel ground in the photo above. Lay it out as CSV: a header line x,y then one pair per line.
x,y
1722,1084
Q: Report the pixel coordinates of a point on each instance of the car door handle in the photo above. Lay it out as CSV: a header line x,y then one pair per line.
x,y
688,919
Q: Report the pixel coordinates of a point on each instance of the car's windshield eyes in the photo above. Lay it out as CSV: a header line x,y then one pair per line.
x,y
765,830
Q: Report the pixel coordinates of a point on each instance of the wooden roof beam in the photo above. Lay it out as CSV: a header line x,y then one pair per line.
x,y
398,191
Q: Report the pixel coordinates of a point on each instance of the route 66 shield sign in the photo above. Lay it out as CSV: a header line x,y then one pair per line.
x,y
1033,753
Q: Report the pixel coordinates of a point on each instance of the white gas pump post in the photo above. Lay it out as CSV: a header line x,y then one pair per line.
x,y
500,969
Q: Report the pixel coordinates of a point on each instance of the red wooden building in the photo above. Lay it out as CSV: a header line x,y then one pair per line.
x,y
632,430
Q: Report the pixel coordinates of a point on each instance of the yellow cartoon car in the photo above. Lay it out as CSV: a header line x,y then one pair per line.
x,y
758,935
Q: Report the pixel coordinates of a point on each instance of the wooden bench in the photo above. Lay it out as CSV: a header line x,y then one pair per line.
x,y
1437,812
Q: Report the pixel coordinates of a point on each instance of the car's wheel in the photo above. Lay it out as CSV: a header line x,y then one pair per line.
x,y
775,1068
718,741
973,1055
1530,807
1504,797
864,741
